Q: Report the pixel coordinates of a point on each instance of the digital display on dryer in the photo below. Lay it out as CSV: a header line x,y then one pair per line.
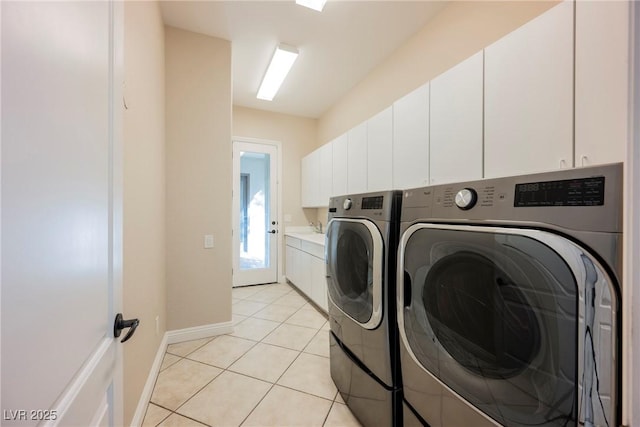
x,y
569,192
372,202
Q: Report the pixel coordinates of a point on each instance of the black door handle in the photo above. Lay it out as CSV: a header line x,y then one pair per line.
x,y
121,324
272,232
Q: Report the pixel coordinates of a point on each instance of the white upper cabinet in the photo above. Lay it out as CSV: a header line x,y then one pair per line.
x,y
317,170
309,187
380,151
326,172
456,123
357,160
411,139
339,155
602,81
529,96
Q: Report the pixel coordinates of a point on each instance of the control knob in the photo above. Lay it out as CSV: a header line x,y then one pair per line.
x,y
347,204
466,198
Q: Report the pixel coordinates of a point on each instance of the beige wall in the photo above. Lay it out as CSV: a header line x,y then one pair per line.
x,y
457,32
144,290
198,168
298,138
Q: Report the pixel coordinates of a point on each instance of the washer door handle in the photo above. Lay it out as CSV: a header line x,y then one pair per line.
x,y
407,289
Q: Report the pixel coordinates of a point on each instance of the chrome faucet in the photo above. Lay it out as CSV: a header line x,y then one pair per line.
x,y
316,228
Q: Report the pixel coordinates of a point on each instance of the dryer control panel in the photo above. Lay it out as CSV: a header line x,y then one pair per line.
x,y
568,192
380,205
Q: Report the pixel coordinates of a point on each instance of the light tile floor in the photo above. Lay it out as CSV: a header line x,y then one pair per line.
x,y
273,370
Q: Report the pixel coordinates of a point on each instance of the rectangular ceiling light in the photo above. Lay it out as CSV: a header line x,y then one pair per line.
x,y
312,4
281,63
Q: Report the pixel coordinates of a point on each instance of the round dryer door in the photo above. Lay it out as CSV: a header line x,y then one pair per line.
x,y
499,316
355,260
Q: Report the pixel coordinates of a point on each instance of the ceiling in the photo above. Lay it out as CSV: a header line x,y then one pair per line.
x,y
338,46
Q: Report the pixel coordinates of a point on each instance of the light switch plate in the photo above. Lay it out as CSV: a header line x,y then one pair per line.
x,y
208,241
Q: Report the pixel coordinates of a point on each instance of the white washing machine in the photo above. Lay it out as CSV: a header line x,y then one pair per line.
x,y
508,300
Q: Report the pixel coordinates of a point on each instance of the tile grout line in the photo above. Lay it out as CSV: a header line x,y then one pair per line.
x,y
261,341
270,388
328,412
288,367
195,393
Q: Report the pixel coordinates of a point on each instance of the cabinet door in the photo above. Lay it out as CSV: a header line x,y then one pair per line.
x,y
339,155
319,287
380,151
411,139
310,185
529,96
455,124
304,282
602,82
357,159
326,171
291,263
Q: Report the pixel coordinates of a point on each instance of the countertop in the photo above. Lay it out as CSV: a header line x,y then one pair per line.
x,y
317,238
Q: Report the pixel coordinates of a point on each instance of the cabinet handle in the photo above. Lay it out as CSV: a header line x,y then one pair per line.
x,y
563,163
583,160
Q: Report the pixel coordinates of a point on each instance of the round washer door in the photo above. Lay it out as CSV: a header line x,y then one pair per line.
x,y
355,260
499,316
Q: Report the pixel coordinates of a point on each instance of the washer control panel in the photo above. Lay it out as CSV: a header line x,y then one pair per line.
x,y
585,199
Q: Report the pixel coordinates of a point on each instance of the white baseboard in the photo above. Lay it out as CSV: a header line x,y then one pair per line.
x,y
172,337
145,397
195,333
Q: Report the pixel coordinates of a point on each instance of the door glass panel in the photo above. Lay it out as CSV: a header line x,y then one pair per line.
x,y
350,268
254,210
494,316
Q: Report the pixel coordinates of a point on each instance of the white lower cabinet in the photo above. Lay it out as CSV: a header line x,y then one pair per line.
x,y
305,268
292,265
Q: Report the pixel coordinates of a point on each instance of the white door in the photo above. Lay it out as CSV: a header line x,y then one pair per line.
x,y
255,213
61,212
